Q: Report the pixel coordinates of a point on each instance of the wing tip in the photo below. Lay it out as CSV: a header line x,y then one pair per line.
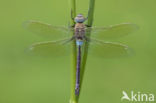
x,y
135,26
25,24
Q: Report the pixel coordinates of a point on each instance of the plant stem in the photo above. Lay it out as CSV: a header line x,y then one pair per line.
x,y
73,73
91,12
86,44
74,53
72,11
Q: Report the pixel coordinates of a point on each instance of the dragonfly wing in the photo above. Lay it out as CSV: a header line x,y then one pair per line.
x,y
50,48
109,49
46,29
114,31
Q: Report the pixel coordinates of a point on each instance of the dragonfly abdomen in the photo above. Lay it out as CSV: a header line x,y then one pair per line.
x,y
79,42
77,85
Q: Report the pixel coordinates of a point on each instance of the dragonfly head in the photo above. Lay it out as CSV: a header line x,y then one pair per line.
x,y
80,18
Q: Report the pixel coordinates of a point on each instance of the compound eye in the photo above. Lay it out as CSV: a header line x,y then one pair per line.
x,y
79,19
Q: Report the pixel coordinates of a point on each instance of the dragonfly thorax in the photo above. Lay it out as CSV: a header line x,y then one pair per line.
x,y
80,31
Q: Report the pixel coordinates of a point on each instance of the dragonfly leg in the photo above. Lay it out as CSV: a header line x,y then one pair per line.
x,y
71,15
87,25
86,18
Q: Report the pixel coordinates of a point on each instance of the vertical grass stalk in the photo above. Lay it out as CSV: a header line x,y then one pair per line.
x,y
73,54
91,13
72,6
86,44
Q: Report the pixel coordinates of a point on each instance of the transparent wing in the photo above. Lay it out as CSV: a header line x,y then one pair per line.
x,y
50,48
46,29
113,31
108,49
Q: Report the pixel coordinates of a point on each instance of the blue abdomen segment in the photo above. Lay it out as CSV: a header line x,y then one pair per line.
x,y
78,42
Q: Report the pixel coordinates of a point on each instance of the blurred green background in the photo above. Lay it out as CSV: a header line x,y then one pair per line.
x,y
30,79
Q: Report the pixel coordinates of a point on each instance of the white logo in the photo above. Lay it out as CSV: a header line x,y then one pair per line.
x,y
140,97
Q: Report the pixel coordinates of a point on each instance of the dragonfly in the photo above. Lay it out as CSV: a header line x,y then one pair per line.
x,y
98,45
